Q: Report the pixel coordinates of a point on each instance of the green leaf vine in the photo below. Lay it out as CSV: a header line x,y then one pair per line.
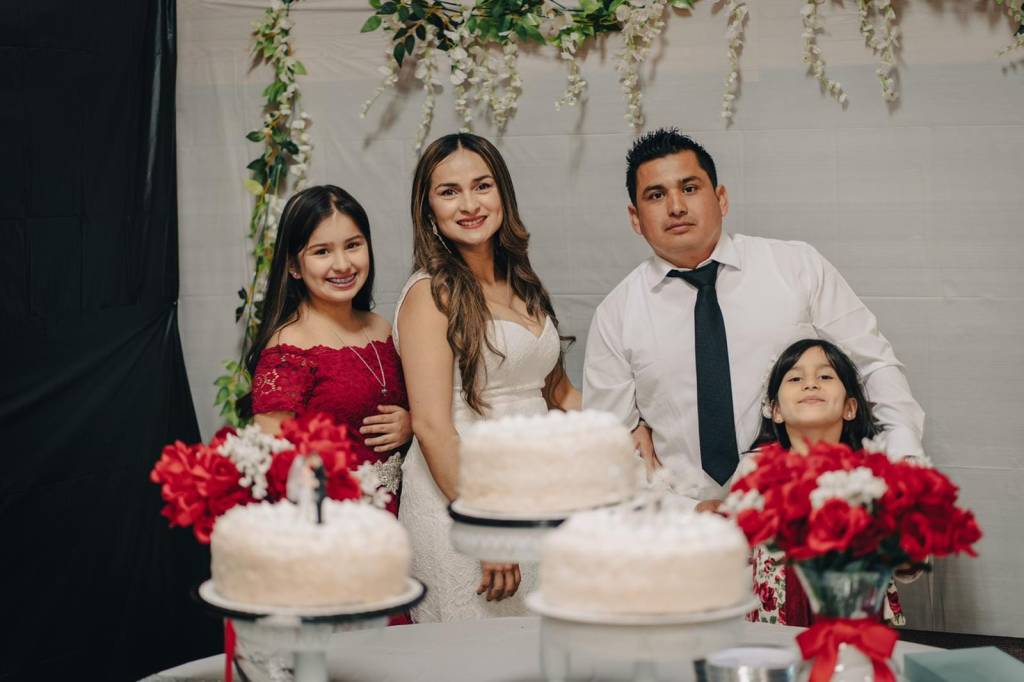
x,y
279,168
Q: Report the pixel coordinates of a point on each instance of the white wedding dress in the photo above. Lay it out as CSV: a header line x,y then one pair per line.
x,y
513,386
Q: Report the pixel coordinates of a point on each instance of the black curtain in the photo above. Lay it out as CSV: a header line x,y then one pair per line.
x,y
92,382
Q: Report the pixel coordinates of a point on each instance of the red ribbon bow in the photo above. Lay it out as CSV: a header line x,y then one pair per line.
x,y
821,642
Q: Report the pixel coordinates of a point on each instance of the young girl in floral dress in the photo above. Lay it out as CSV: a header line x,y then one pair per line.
x,y
814,395
319,348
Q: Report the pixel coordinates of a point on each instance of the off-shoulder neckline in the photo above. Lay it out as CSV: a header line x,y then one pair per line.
x,y
320,346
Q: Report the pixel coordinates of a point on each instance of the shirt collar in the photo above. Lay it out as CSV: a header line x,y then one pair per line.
x,y
724,252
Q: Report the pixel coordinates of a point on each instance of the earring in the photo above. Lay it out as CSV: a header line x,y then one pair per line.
x,y
437,234
294,274
766,409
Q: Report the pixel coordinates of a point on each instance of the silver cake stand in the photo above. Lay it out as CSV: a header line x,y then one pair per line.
x,y
306,632
502,538
642,639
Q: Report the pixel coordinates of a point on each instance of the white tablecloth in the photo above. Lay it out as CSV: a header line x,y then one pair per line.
x,y
497,650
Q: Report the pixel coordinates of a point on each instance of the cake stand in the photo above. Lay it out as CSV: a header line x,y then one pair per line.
x,y
502,538
643,639
306,632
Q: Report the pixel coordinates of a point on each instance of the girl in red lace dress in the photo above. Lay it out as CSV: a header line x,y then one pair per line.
x,y
814,395
319,348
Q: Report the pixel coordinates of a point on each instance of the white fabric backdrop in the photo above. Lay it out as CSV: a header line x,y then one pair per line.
x,y
919,207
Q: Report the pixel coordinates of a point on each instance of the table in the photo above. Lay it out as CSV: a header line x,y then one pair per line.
x,y
496,650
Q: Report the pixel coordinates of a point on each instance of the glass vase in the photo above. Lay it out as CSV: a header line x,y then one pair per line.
x,y
848,595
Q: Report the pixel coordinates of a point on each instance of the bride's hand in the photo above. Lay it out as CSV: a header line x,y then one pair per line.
x,y
499,580
394,425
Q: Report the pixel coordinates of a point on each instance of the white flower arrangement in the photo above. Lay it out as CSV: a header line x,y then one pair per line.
x,y
858,487
251,450
736,502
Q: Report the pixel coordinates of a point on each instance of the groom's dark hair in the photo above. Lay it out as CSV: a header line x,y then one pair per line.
x,y
660,143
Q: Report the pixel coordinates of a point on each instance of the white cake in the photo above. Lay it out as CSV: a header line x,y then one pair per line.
x,y
558,461
269,554
645,561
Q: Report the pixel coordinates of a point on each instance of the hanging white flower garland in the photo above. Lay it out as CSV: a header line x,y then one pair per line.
x,y
481,41
737,13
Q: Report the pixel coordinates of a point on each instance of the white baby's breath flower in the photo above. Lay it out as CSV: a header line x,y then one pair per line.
x,y
737,502
747,466
858,487
251,451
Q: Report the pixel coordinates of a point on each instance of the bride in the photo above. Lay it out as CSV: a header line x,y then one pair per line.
x,y
478,338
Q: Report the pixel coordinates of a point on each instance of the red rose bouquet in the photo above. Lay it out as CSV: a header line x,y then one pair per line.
x,y
840,509
200,482
847,519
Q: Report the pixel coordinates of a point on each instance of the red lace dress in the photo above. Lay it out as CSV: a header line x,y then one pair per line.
x,y
335,381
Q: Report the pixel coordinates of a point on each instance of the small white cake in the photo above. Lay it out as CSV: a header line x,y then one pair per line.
x,y
626,560
269,554
558,461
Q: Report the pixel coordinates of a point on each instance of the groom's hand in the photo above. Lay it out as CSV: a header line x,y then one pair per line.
x,y
644,443
708,506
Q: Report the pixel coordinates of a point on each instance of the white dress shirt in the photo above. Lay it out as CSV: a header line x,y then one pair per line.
x,y
640,350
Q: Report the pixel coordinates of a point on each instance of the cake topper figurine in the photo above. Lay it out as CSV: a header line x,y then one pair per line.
x,y
317,465
307,486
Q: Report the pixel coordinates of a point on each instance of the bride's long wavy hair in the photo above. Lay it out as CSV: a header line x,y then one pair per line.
x,y
455,290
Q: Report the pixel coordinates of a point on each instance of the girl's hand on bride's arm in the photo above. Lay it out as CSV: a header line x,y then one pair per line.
x,y
394,425
499,580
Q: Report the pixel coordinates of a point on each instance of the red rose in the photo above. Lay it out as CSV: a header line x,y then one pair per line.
x,y
221,436
317,433
758,526
277,475
824,457
937,490
834,526
916,536
198,484
177,487
903,488
883,524
965,532
219,482
796,498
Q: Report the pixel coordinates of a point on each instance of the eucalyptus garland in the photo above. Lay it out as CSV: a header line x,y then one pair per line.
x,y
279,169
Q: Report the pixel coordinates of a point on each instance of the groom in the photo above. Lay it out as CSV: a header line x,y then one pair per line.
x,y
685,342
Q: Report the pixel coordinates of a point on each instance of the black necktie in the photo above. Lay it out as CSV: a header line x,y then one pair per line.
x,y
718,451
